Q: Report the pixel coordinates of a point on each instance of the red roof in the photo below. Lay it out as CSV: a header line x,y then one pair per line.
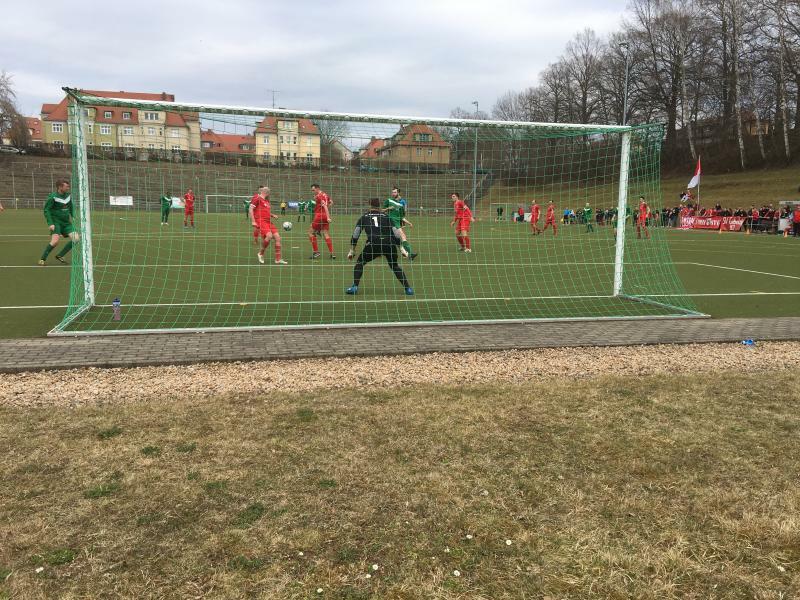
x,y
35,127
58,112
405,137
270,125
226,142
371,149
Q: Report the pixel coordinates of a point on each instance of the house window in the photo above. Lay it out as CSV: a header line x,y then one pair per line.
x,y
105,145
294,139
266,155
107,114
91,127
129,145
126,116
160,131
105,129
151,146
430,151
127,131
266,139
309,156
176,148
419,151
206,144
87,112
151,116
280,139
151,131
295,156
175,133
58,127
58,144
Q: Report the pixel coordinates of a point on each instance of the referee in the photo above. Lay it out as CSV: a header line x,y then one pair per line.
x,y
382,240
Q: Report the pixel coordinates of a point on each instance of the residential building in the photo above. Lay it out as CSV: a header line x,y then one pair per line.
x,y
211,142
413,144
341,152
124,127
292,141
34,130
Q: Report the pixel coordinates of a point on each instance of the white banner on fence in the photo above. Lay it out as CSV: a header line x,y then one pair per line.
x,y
120,200
177,202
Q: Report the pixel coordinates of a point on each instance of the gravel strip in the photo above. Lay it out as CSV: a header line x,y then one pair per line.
x,y
107,386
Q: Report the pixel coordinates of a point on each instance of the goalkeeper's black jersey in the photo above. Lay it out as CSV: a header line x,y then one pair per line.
x,y
378,228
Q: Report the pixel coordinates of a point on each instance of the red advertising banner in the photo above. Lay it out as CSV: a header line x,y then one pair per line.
x,y
715,223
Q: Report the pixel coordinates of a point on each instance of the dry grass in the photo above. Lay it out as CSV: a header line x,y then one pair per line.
x,y
664,486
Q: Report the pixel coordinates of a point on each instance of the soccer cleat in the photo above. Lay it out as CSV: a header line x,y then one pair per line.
x,y
260,258
281,262
315,256
467,249
403,252
333,257
352,290
409,291
41,262
413,255
61,259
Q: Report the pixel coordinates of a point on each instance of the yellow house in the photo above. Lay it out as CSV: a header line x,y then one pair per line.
x,y
290,141
121,127
415,144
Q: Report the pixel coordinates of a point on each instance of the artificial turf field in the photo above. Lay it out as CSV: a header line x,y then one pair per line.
x,y
171,277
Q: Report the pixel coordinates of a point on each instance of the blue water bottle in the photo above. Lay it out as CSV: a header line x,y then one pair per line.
x,y
116,306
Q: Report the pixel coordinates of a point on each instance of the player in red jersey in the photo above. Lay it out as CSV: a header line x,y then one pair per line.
x,y
550,218
188,207
641,219
462,220
321,221
261,216
535,210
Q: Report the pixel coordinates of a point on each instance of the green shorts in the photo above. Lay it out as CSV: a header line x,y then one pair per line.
x,y
398,223
62,229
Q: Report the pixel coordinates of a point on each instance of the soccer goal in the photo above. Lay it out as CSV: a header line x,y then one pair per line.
x,y
467,266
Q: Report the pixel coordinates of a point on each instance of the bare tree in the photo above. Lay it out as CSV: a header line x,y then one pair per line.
x,y
12,123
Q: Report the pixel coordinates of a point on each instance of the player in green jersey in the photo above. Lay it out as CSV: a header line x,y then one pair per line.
x,y
588,217
166,205
395,209
301,211
246,204
58,214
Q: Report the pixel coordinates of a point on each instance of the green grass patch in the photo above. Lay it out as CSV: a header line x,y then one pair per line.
x,y
55,557
111,432
250,515
151,451
102,490
244,563
186,447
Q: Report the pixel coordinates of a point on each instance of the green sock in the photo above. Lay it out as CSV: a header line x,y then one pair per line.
x,y
407,246
47,250
66,249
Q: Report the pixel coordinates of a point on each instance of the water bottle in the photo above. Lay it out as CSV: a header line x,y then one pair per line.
x,y
116,306
748,342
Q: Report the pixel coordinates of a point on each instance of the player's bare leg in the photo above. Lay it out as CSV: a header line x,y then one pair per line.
x,y
312,237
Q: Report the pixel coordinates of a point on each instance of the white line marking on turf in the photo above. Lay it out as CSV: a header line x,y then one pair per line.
x,y
742,270
353,301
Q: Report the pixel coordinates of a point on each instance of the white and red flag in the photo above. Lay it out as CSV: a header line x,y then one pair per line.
x,y
696,179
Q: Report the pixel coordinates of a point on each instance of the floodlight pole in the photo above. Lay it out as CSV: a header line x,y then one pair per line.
x,y
475,162
625,46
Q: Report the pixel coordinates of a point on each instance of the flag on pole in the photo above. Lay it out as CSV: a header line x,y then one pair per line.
x,y
696,179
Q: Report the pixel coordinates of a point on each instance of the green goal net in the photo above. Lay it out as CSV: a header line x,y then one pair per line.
x,y
571,240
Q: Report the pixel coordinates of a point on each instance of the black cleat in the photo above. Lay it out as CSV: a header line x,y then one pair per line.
x,y
333,257
61,259
413,255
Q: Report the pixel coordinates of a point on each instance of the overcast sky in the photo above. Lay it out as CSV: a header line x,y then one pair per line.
x,y
402,57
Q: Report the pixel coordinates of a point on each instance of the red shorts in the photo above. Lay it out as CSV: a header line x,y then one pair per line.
x,y
550,222
266,227
320,224
463,225
642,223
188,210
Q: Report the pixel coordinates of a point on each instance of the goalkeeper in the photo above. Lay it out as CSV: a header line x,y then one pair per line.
x,y
395,208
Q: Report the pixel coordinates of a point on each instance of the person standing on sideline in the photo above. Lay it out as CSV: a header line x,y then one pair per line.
x,y
166,205
58,214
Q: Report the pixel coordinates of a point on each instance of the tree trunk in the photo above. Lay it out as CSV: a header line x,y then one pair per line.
x,y
781,82
737,86
687,122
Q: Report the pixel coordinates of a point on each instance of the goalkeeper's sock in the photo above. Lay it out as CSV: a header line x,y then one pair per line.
x,y
314,246
47,250
66,249
329,243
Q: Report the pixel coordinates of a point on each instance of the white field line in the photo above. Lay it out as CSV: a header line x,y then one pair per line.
x,y
353,301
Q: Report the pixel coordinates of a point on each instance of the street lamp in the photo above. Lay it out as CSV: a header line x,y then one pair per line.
x,y
625,47
475,161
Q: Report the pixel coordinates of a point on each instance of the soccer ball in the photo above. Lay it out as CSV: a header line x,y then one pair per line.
x,y
287,225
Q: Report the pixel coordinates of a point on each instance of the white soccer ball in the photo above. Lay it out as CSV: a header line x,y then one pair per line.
x,y
287,225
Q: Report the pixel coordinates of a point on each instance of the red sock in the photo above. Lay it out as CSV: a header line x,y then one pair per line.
x,y
314,246
277,251
264,246
460,240
329,242
555,229
466,241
